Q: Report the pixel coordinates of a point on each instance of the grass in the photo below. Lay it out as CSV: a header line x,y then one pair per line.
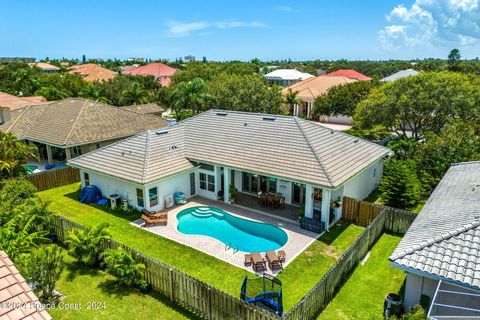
x,y
298,277
82,286
361,297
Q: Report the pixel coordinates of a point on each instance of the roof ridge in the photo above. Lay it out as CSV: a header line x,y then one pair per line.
x,y
145,160
431,241
313,151
18,118
75,122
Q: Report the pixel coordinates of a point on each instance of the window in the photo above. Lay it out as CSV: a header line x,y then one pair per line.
x,y
208,167
207,182
97,146
192,184
77,151
374,172
86,179
140,201
153,196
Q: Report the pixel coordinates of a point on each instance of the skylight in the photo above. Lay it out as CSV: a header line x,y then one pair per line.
x,y
269,118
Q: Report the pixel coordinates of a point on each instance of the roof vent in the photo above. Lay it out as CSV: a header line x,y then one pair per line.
x,y
222,113
245,124
159,132
269,118
355,141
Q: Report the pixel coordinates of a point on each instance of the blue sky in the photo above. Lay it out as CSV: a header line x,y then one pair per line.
x,y
225,30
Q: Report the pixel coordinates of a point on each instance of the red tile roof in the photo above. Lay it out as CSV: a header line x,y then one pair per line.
x,y
160,71
13,102
93,72
349,73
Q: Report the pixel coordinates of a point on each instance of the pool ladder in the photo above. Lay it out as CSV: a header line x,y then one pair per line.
x,y
228,246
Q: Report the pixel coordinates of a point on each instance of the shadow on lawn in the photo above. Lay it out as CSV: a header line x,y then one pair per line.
x,y
334,232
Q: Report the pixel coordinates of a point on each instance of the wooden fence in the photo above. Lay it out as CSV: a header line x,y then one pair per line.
x,y
195,295
360,212
53,178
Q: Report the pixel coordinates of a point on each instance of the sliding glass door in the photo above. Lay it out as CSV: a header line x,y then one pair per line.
x,y
254,183
298,191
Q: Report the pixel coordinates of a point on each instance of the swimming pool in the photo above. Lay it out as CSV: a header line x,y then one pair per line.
x,y
240,234
30,168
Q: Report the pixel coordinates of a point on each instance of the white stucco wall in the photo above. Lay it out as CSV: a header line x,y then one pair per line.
x,y
415,286
206,193
285,187
360,186
168,186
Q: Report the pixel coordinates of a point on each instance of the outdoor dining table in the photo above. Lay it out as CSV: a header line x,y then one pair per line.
x,y
270,200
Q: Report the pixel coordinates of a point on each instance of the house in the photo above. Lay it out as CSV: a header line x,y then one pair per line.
x,y
310,165
309,89
92,72
159,71
12,102
17,300
400,74
46,67
148,108
73,126
286,77
350,74
441,250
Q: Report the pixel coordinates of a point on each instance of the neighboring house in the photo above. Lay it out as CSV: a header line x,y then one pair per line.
x,y
17,300
441,250
12,102
73,126
349,73
159,71
400,74
310,165
148,108
92,72
309,89
46,67
286,77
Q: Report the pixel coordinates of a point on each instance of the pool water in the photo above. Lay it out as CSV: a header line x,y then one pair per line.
x,y
240,234
30,168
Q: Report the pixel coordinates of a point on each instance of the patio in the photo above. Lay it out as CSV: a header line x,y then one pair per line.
x,y
298,239
250,202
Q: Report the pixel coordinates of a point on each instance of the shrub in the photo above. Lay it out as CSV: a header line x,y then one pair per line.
x,y
123,266
44,269
16,191
85,244
400,186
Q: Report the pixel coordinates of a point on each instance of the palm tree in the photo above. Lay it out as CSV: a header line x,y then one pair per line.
x,y
135,95
292,99
191,95
13,154
85,244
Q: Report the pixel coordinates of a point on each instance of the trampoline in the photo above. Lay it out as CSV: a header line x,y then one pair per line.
x,y
264,292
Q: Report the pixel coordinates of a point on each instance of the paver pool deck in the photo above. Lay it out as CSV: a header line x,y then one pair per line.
x,y
298,239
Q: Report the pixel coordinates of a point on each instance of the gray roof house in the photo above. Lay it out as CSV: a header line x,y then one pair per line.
x,y
441,249
400,74
73,126
148,108
207,153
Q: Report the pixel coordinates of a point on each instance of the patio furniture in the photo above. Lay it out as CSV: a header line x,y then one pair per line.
x,y
259,197
258,263
248,259
154,220
312,225
282,256
273,260
155,215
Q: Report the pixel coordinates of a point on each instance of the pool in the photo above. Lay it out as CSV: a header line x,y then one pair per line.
x,y
240,234
30,168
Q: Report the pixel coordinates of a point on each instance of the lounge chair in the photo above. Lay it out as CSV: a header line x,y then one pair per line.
x,y
258,263
273,260
152,220
282,256
155,215
248,259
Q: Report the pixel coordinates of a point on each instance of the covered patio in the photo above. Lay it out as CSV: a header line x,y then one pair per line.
x,y
289,212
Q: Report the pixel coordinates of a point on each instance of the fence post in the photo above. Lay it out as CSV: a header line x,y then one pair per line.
x,y
172,296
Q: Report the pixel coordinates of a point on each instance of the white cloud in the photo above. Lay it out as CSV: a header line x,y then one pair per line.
x,y
283,8
447,22
183,29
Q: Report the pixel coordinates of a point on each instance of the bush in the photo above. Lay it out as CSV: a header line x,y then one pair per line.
x,y
85,244
400,186
376,133
417,313
123,266
44,269
15,191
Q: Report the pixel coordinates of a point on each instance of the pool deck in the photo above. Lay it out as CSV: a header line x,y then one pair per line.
x,y
298,239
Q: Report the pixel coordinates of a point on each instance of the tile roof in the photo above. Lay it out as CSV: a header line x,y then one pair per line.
x,y
444,239
46,66
13,102
286,147
160,71
349,73
93,72
288,74
14,289
311,88
77,121
145,108
400,74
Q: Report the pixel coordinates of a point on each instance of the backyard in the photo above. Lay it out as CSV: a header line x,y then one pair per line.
x,y
361,297
298,277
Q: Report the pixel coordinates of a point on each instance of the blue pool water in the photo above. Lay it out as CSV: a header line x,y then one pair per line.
x,y
30,168
243,235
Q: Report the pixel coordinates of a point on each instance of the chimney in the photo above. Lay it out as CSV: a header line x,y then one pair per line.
x,y
171,121
4,115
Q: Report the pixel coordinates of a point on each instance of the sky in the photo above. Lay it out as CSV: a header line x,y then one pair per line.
x,y
240,30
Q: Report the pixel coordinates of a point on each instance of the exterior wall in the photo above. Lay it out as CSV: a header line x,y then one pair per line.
x,y
415,287
360,186
86,148
168,186
206,193
338,119
285,187
238,180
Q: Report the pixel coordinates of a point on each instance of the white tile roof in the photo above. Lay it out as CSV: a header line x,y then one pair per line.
x,y
444,240
400,74
288,74
281,146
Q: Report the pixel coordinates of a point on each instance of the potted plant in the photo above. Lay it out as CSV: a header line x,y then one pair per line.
x,y
232,191
337,203
300,213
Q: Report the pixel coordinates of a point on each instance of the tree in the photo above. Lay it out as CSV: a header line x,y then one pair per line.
x,y
52,93
44,268
453,59
400,186
13,154
426,102
292,99
342,99
85,244
122,265
135,95
192,95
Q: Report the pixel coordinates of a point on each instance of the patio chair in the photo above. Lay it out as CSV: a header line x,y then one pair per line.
x,y
273,261
151,220
258,263
155,215
282,256
259,197
248,259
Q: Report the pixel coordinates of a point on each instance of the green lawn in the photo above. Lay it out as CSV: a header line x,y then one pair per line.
x,y
82,286
361,297
298,277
